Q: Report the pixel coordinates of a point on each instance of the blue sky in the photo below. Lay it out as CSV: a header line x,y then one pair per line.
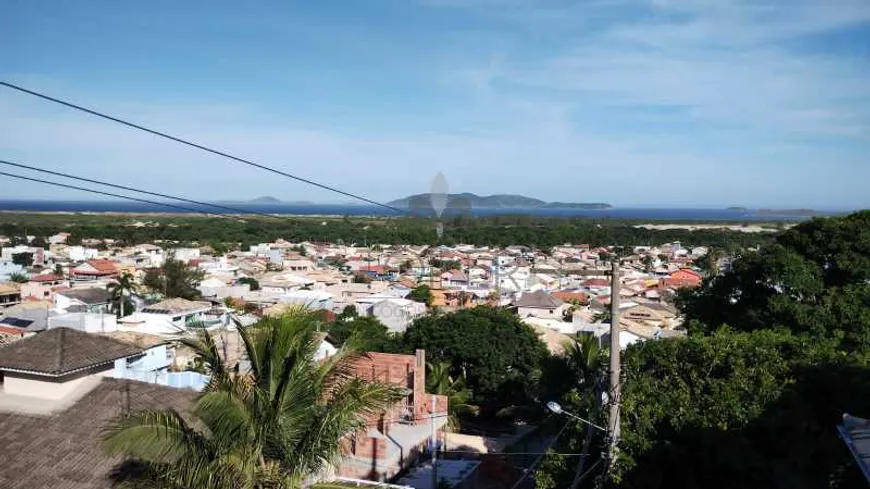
x,y
634,102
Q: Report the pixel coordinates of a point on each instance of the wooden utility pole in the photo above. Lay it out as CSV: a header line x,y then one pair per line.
x,y
614,397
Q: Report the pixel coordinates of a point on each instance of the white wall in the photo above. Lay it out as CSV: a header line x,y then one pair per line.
x,y
41,389
87,322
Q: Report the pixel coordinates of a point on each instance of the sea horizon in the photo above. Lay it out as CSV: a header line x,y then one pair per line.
x,y
360,210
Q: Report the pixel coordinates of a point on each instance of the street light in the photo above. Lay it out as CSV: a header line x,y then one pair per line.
x,y
557,409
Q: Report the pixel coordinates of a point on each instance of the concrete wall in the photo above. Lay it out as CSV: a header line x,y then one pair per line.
x,y
21,386
85,321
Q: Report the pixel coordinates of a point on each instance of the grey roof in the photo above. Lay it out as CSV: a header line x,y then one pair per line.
x,y
62,350
91,296
539,298
856,433
63,451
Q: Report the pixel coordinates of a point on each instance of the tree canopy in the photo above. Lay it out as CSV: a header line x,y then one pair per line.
x,y
174,279
499,355
815,279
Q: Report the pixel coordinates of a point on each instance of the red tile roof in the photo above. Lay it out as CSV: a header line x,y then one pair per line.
x,y
567,296
597,282
48,277
104,266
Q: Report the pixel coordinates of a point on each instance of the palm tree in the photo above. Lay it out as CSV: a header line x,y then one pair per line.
x,y
586,359
274,427
439,381
120,289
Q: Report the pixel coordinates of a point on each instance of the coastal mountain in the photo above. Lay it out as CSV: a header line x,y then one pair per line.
x,y
498,201
264,200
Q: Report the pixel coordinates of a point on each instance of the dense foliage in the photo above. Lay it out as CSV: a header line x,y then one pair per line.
x,y
367,332
739,409
815,280
754,403
496,230
499,355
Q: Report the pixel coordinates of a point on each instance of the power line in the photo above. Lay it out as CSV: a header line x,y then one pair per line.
x,y
540,457
110,194
197,146
131,189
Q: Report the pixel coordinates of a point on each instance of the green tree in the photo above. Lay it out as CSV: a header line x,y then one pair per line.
x,y
18,277
174,279
120,291
252,282
500,356
24,259
739,409
367,332
271,428
422,293
814,280
440,381
58,270
648,263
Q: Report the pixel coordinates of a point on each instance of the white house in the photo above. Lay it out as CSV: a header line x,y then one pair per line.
x,y
170,317
312,299
396,314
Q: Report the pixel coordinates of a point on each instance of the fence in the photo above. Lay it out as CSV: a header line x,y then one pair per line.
x,y
178,380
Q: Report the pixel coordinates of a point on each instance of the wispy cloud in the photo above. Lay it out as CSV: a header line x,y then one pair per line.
x,y
731,101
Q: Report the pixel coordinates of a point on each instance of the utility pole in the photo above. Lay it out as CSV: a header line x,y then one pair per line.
x,y
615,397
434,444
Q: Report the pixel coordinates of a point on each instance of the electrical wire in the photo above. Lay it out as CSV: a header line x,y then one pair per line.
x,y
110,194
540,457
131,189
197,146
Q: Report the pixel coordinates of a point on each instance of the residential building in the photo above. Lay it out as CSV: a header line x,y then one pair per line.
x,y
399,437
59,362
92,299
397,314
41,286
539,304
61,447
95,270
683,278
170,317
10,295
652,314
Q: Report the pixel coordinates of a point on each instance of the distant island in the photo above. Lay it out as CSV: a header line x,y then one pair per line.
x,y
498,201
266,200
789,212
777,212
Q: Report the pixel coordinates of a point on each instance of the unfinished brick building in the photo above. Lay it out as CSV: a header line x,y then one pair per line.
x,y
397,438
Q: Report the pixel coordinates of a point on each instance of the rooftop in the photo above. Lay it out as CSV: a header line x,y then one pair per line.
x,y
62,350
89,296
63,451
175,306
538,298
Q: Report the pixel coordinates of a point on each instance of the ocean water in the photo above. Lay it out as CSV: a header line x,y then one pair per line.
x,y
657,214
